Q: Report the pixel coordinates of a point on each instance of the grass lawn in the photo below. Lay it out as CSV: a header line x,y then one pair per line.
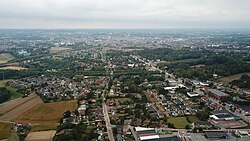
x,y
193,119
14,93
179,122
5,130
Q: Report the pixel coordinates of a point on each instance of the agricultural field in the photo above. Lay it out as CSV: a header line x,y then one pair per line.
x,y
45,116
232,77
13,110
58,49
5,57
8,106
179,122
5,128
3,82
13,68
43,135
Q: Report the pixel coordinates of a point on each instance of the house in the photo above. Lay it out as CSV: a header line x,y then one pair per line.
x,y
82,109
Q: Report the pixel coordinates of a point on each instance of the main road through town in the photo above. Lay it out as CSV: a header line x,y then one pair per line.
x,y
104,106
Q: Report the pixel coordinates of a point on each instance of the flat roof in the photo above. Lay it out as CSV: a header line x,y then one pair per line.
x,y
169,88
192,94
149,137
216,134
173,138
143,129
218,92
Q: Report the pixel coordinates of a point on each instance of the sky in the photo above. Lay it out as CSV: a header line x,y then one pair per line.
x,y
124,14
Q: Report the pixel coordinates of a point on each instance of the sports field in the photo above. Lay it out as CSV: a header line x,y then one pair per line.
x,y
179,122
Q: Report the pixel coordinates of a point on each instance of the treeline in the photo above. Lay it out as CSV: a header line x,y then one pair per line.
x,y
167,54
5,95
199,64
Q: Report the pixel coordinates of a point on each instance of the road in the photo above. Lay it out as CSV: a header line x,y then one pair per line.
x,y
107,121
104,107
133,133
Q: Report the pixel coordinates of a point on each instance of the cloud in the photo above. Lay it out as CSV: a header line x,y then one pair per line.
x,y
124,13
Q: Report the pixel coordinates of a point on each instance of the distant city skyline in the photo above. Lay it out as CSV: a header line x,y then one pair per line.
x,y
44,14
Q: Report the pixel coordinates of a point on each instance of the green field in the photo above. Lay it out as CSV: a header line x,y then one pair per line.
x,y
232,77
179,122
14,93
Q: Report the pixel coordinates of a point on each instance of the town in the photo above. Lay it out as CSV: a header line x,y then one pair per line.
x,y
124,86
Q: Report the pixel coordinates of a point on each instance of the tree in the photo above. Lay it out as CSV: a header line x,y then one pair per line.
x,y
4,95
203,115
187,127
171,125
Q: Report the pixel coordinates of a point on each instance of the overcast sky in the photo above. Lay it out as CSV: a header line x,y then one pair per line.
x,y
124,13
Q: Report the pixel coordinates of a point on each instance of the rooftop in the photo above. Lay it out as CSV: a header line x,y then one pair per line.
x,y
216,134
149,137
218,92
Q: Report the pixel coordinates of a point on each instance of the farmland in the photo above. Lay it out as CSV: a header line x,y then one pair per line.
x,y
45,116
5,57
13,68
5,130
179,122
43,135
15,108
232,77
6,107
